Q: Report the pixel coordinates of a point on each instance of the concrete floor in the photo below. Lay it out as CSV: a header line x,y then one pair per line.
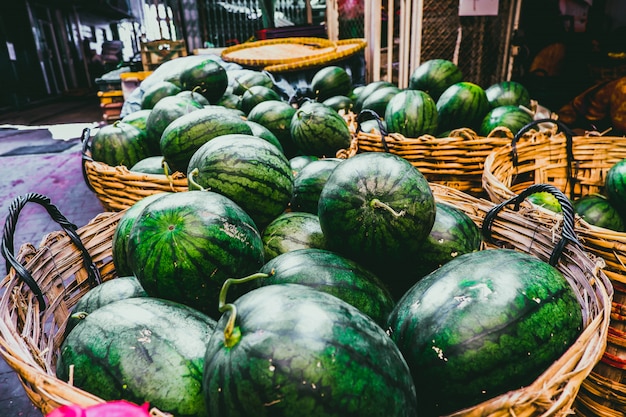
x,y
31,160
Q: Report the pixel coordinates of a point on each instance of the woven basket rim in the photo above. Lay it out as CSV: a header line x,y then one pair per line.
x,y
258,53
28,349
344,48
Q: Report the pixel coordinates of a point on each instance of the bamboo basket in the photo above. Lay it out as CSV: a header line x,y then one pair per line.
x,y
118,188
456,161
577,165
65,268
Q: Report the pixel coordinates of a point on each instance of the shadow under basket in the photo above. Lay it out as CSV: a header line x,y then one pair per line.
x,y
32,324
547,152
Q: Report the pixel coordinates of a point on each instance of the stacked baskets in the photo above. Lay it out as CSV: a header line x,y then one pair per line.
x,y
577,165
38,297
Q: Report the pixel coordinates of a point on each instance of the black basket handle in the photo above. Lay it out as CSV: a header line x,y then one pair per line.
x,y
7,245
569,147
84,138
367,114
568,234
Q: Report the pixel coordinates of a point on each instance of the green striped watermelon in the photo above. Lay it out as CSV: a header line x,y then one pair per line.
x,y
149,165
119,144
195,96
185,245
308,185
339,103
185,135
412,113
378,100
319,130
255,95
156,91
297,351
262,132
249,170
332,273
367,90
377,209
597,210
137,118
463,104
435,76
512,117
290,231
508,93
140,349
299,162
242,79
331,81
483,324
615,185
162,114
546,200
207,77
276,116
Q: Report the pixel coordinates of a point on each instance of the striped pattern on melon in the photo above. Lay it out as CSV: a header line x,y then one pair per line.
x,y
317,129
463,104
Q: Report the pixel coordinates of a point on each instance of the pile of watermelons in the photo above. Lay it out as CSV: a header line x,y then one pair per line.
x,y
287,282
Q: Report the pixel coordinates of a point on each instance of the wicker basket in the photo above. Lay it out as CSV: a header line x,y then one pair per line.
x,y
577,165
118,188
456,161
33,324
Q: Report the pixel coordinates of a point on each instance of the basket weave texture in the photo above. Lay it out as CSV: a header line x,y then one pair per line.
x,y
541,156
30,336
456,161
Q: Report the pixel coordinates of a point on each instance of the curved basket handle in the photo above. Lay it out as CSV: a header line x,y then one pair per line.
x,y
7,245
569,147
367,114
568,233
84,138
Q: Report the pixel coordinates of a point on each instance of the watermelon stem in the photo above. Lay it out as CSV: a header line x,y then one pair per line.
x,y
376,203
232,334
193,183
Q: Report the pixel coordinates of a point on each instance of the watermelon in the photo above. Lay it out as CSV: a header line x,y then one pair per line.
x,y
255,95
137,118
185,135
290,231
598,210
276,116
483,324
367,90
162,114
319,130
330,272
249,170
156,91
377,209
339,103
119,144
149,165
412,113
331,81
207,77
512,117
463,104
184,245
242,80
297,351
615,185
140,349
119,240
299,162
508,93
435,76
262,132
378,100
230,101
195,96
454,233
308,185
546,200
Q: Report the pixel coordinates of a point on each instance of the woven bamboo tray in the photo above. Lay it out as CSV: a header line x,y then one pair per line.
x,y
32,324
456,161
118,188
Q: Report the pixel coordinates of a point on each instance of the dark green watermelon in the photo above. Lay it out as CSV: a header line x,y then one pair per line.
x,y
378,100
508,93
249,170
276,116
149,165
462,105
308,185
597,210
330,272
137,118
339,103
512,117
296,351
195,96
367,90
412,113
377,209
262,132
299,162
290,231
230,100
119,144
207,77
483,324
255,95
242,80
140,349
185,135
319,130
435,76
162,114
331,81
184,245
615,186
156,91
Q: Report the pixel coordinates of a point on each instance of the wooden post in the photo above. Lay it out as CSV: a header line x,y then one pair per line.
x,y
332,19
